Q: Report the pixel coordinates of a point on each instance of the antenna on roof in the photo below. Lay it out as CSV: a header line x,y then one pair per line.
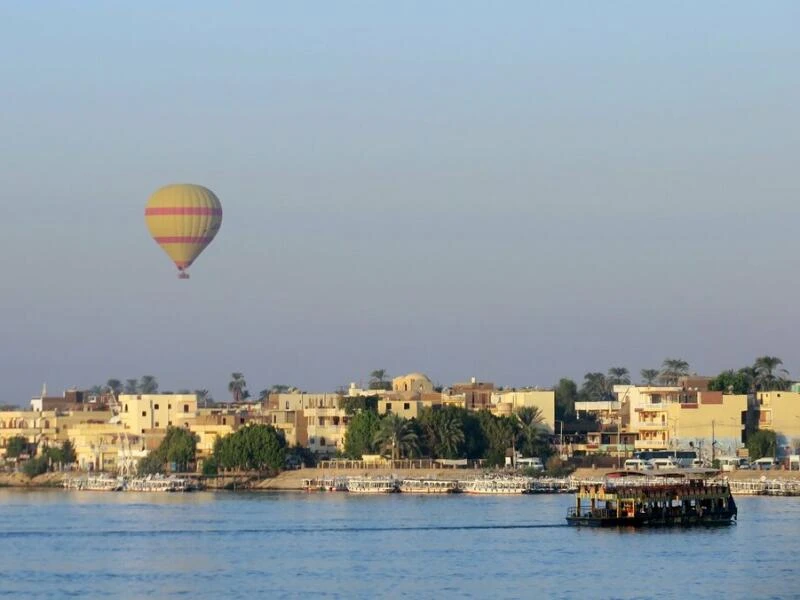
x,y
44,389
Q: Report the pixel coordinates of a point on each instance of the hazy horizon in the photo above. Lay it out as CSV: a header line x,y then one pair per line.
x,y
515,192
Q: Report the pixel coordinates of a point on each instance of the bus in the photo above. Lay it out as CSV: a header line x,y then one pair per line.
x,y
684,458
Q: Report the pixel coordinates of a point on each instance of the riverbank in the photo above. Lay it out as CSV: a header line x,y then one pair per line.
x,y
293,480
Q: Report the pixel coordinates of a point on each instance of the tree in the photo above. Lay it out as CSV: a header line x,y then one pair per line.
x,y
203,397
114,386
762,443
672,369
68,455
237,387
251,448
501,434
35,466
178,447
378,379
442,431
649,376
595,387
96,390
731,382
360,435
280,388
17,445
355,404
618,376
566,394
766,377
148,385
532,440
263,395
396,434
131,386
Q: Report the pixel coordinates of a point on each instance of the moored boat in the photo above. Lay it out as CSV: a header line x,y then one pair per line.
x,y
498,485
372,485
325,484
636,500
429,486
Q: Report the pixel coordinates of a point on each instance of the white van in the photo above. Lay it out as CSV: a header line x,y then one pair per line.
x,y
637,464
664,463
729,463
765,463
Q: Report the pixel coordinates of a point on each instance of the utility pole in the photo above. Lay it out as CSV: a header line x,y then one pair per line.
x,y
713,442
561,441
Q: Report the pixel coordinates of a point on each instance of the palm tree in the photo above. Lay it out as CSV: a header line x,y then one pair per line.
x,y
672,369
280,389
618,376
148,384
238,387
446,432
203,397
595,386
649,376
96,390
114,386
131,386
396,434
766,378
378,379
531,431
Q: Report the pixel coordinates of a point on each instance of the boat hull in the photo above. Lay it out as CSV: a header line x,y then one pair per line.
x,y
649,521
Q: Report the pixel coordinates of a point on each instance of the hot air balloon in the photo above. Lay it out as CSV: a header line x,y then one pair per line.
x,y
183,219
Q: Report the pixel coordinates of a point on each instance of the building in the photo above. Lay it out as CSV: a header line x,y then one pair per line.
x,y
317,421
779,411
413,382
477,394
507,402
140,413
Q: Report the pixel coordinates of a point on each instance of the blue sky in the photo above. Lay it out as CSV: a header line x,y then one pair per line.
x,y
517,191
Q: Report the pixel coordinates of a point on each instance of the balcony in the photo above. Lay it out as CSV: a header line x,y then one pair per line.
x,y
651,426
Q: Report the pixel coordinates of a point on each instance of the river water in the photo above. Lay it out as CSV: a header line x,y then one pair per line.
x,y
57,544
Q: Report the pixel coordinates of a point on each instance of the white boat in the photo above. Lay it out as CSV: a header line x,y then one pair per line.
x,y
158,483
372,485
499,485
95,483
429,486
325,484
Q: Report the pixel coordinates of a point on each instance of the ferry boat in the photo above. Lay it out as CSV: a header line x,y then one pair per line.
x,y
372,485
633,499
156,483
95,483
325,484
499,485
429,486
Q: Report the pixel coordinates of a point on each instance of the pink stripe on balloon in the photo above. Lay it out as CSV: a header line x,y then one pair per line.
x,y
182,210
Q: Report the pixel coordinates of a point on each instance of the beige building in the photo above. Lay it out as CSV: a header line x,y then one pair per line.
x,y
317,421
780,412
140,413
413,382
477,394
507,402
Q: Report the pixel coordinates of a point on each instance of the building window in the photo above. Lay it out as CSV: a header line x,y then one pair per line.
x,y
287,405
169,406
322,441
186,408
388,407
224,421
126,408
156,424
406,405
311,440
144,413
155,406
241,421
169,423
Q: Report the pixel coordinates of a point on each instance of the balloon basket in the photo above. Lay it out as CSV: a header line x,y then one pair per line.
x,y
183,275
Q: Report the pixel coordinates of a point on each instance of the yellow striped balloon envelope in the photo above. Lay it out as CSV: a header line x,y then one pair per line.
x,y
183,219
